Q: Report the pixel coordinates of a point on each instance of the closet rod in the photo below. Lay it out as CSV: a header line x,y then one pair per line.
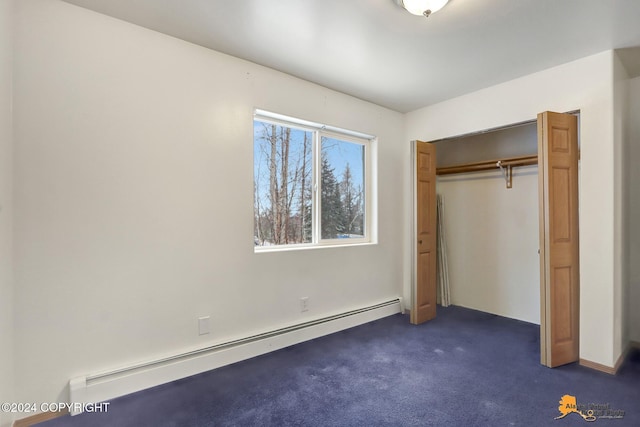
x,y
488,165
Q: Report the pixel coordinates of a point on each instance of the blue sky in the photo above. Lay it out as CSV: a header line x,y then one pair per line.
x,y
340,153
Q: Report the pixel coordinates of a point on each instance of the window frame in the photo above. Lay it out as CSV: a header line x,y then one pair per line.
x,y
369,143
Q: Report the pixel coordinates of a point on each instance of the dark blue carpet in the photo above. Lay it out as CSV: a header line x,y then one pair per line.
x,y
465,368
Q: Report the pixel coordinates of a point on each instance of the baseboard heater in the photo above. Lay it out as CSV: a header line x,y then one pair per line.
x,y
103,386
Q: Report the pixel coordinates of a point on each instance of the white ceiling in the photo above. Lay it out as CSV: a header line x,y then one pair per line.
x,y
376,51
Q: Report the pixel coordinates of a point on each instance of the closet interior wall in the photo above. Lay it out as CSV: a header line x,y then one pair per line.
x,y
492,231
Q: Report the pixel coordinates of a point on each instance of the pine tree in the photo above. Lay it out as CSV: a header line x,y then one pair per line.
x,y
331,205
351,204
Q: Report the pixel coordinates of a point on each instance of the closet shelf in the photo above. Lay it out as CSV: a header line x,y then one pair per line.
x,y
505,165
488,165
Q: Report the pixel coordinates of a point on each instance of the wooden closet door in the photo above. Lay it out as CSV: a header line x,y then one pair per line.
x,y
559,256
424,289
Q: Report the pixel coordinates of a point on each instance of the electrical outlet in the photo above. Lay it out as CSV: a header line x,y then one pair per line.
x,y
204,325
304,304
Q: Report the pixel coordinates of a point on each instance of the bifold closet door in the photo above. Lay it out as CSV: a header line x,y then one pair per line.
x,y
559,256
424,287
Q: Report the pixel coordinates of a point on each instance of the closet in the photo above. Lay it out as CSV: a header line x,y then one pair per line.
x,y
492,230
509,222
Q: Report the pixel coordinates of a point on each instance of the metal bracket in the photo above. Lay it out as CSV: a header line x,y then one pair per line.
x,y
507,173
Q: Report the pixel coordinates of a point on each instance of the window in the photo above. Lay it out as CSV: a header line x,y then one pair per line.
x,y
312,184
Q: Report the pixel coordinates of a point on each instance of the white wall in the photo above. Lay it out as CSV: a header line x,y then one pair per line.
x,y
6,211
621,241
634,210
134,210
492,242
587,85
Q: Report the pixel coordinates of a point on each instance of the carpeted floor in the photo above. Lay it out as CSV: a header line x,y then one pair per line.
x,y
465,368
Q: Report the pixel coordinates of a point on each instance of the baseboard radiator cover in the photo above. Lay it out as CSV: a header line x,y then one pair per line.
x,y
103,386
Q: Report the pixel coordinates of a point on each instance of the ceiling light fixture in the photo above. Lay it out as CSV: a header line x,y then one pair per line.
x,y
422,7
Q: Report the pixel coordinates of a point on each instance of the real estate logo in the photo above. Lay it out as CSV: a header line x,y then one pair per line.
x,y
589,412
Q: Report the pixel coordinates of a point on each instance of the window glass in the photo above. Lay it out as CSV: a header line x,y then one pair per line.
x,y
342,189
282,184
